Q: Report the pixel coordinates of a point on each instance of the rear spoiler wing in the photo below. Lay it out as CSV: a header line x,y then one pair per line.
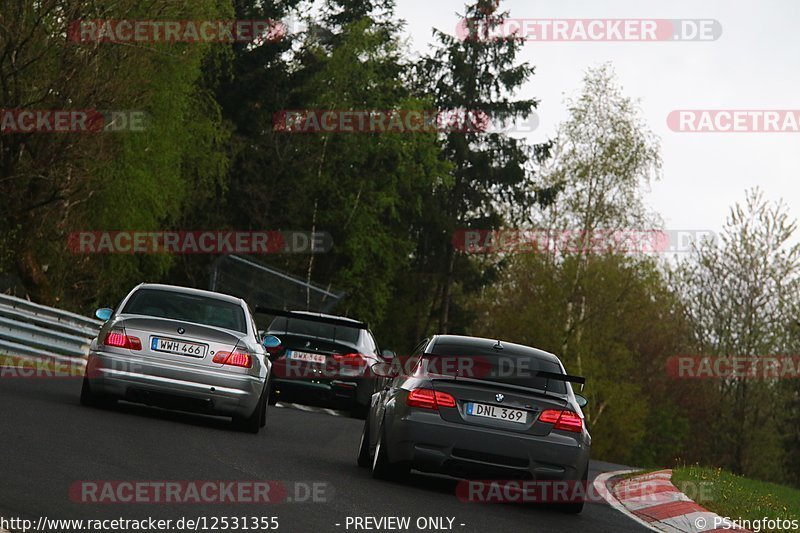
x,y
547,375
312,317
562,377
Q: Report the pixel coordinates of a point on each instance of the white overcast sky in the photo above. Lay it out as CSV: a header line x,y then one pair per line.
x,y
755,64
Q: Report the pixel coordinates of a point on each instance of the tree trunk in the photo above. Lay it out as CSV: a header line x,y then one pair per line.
x,y
444,312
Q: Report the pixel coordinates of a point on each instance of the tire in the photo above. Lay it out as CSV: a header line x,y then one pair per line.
x,y
575,507
263,421
381,467
364,457
91,399
252,424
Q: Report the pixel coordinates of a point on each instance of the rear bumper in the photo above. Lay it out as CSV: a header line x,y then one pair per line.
x,y
208,390
428,443
346,391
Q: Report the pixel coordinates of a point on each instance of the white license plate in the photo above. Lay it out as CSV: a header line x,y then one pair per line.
x,y
308,357
498,413
160,344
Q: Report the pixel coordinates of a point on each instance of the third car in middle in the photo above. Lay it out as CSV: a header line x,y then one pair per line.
x,y
323,359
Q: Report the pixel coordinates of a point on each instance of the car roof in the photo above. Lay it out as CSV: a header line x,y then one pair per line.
x,y
189,290
454,344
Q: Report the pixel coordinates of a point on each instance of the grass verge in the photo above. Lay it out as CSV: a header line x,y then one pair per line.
x,y
739,498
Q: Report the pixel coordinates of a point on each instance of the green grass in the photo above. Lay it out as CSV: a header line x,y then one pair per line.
x,y
737,497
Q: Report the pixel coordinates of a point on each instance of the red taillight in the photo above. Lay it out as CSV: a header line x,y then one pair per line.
x,y
118,339
549,416
348,357
563,420
353,360
570,421
445,400
235,358
429,399
424,398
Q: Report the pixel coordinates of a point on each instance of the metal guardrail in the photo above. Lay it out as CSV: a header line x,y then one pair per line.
x,y
34,330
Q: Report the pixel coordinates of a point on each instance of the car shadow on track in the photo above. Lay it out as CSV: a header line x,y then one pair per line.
x,y
182,417
446,485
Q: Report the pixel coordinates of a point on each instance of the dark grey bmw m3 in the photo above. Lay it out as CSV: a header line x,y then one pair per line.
x,y
476,408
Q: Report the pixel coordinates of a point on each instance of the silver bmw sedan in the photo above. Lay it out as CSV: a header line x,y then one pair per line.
x,y
181,348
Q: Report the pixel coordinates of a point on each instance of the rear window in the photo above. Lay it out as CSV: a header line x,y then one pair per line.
x,y
311,328
186,307
511,369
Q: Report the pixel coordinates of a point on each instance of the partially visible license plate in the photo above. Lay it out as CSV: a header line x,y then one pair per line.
x,y
498,413
161,344
308,357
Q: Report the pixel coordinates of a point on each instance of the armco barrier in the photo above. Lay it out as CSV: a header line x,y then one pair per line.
x,y
35,330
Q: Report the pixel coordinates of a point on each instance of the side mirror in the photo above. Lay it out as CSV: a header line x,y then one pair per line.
x,y
582,401
271,343
104,313
388,354
383,369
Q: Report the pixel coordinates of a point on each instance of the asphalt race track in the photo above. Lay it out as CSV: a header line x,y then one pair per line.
x,y
50,443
